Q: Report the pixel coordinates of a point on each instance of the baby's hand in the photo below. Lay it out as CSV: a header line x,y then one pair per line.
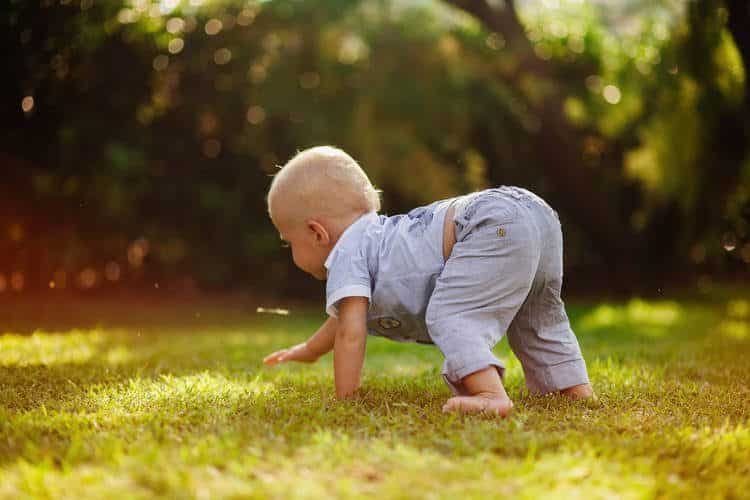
x,y
299,353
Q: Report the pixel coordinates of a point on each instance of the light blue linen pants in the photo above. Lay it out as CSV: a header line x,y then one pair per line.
x,y
505,275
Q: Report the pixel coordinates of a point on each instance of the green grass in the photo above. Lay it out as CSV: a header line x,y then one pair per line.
x,y
143,399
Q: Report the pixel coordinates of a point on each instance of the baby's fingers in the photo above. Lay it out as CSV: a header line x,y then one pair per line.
x,y
276,357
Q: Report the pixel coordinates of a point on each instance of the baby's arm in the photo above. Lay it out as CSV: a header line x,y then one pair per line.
x,y
307,352
322,341
349,345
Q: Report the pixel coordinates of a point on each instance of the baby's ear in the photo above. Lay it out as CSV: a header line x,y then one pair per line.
x,y
321,233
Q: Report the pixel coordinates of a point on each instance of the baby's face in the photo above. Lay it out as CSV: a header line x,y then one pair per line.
x,y
307,252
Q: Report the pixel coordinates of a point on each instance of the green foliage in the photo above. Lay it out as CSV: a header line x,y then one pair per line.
x,y
157,118
147,399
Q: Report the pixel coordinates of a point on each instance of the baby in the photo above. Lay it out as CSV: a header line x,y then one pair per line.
x,y
458,273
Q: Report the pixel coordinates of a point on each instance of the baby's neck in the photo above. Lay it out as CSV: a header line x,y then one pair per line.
x,y
340,224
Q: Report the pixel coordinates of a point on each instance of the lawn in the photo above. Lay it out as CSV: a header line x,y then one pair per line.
x,y
143,399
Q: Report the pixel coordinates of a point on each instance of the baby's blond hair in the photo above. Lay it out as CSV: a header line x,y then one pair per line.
x,y
321,181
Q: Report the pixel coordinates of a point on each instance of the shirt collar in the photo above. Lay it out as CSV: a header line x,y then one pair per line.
x,y
368,217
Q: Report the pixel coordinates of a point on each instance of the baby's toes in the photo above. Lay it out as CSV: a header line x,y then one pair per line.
x,y
475,404
462,403
450,405
500,407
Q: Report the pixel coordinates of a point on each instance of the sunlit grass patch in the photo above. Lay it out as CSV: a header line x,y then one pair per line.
x,y
184,408
651,318
46,348
175,394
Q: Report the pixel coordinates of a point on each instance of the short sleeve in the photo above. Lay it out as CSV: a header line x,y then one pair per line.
x,y
348,276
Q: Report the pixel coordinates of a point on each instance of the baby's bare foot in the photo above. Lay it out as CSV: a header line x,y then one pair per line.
x,y
583,391
496,405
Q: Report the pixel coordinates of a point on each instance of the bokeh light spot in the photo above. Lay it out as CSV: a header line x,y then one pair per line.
x,y
168,6
3,283
137,251
112,271
27,104
155,11
352,49
208,123
733,329
594,83
161,62
15,233
257,73
145,114
738,308
127,16
176,45
611,94
213,27
729,242
17,281
175,25
576,44
222,56
246,17
256,115
140,5
88,278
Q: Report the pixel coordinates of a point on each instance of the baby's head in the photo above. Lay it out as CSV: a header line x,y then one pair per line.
x,y
314,198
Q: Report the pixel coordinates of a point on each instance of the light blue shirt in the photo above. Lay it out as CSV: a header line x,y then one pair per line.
x,y
394,262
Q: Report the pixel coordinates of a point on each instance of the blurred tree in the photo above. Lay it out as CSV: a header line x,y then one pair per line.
x,y
558,144
141,136
645,247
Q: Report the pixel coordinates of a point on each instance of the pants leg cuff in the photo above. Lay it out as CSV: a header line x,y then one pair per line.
x,y
558,377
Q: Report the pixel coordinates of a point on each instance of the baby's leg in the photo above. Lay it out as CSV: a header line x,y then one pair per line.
x,y
486,394
543,341
481,288
540,335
